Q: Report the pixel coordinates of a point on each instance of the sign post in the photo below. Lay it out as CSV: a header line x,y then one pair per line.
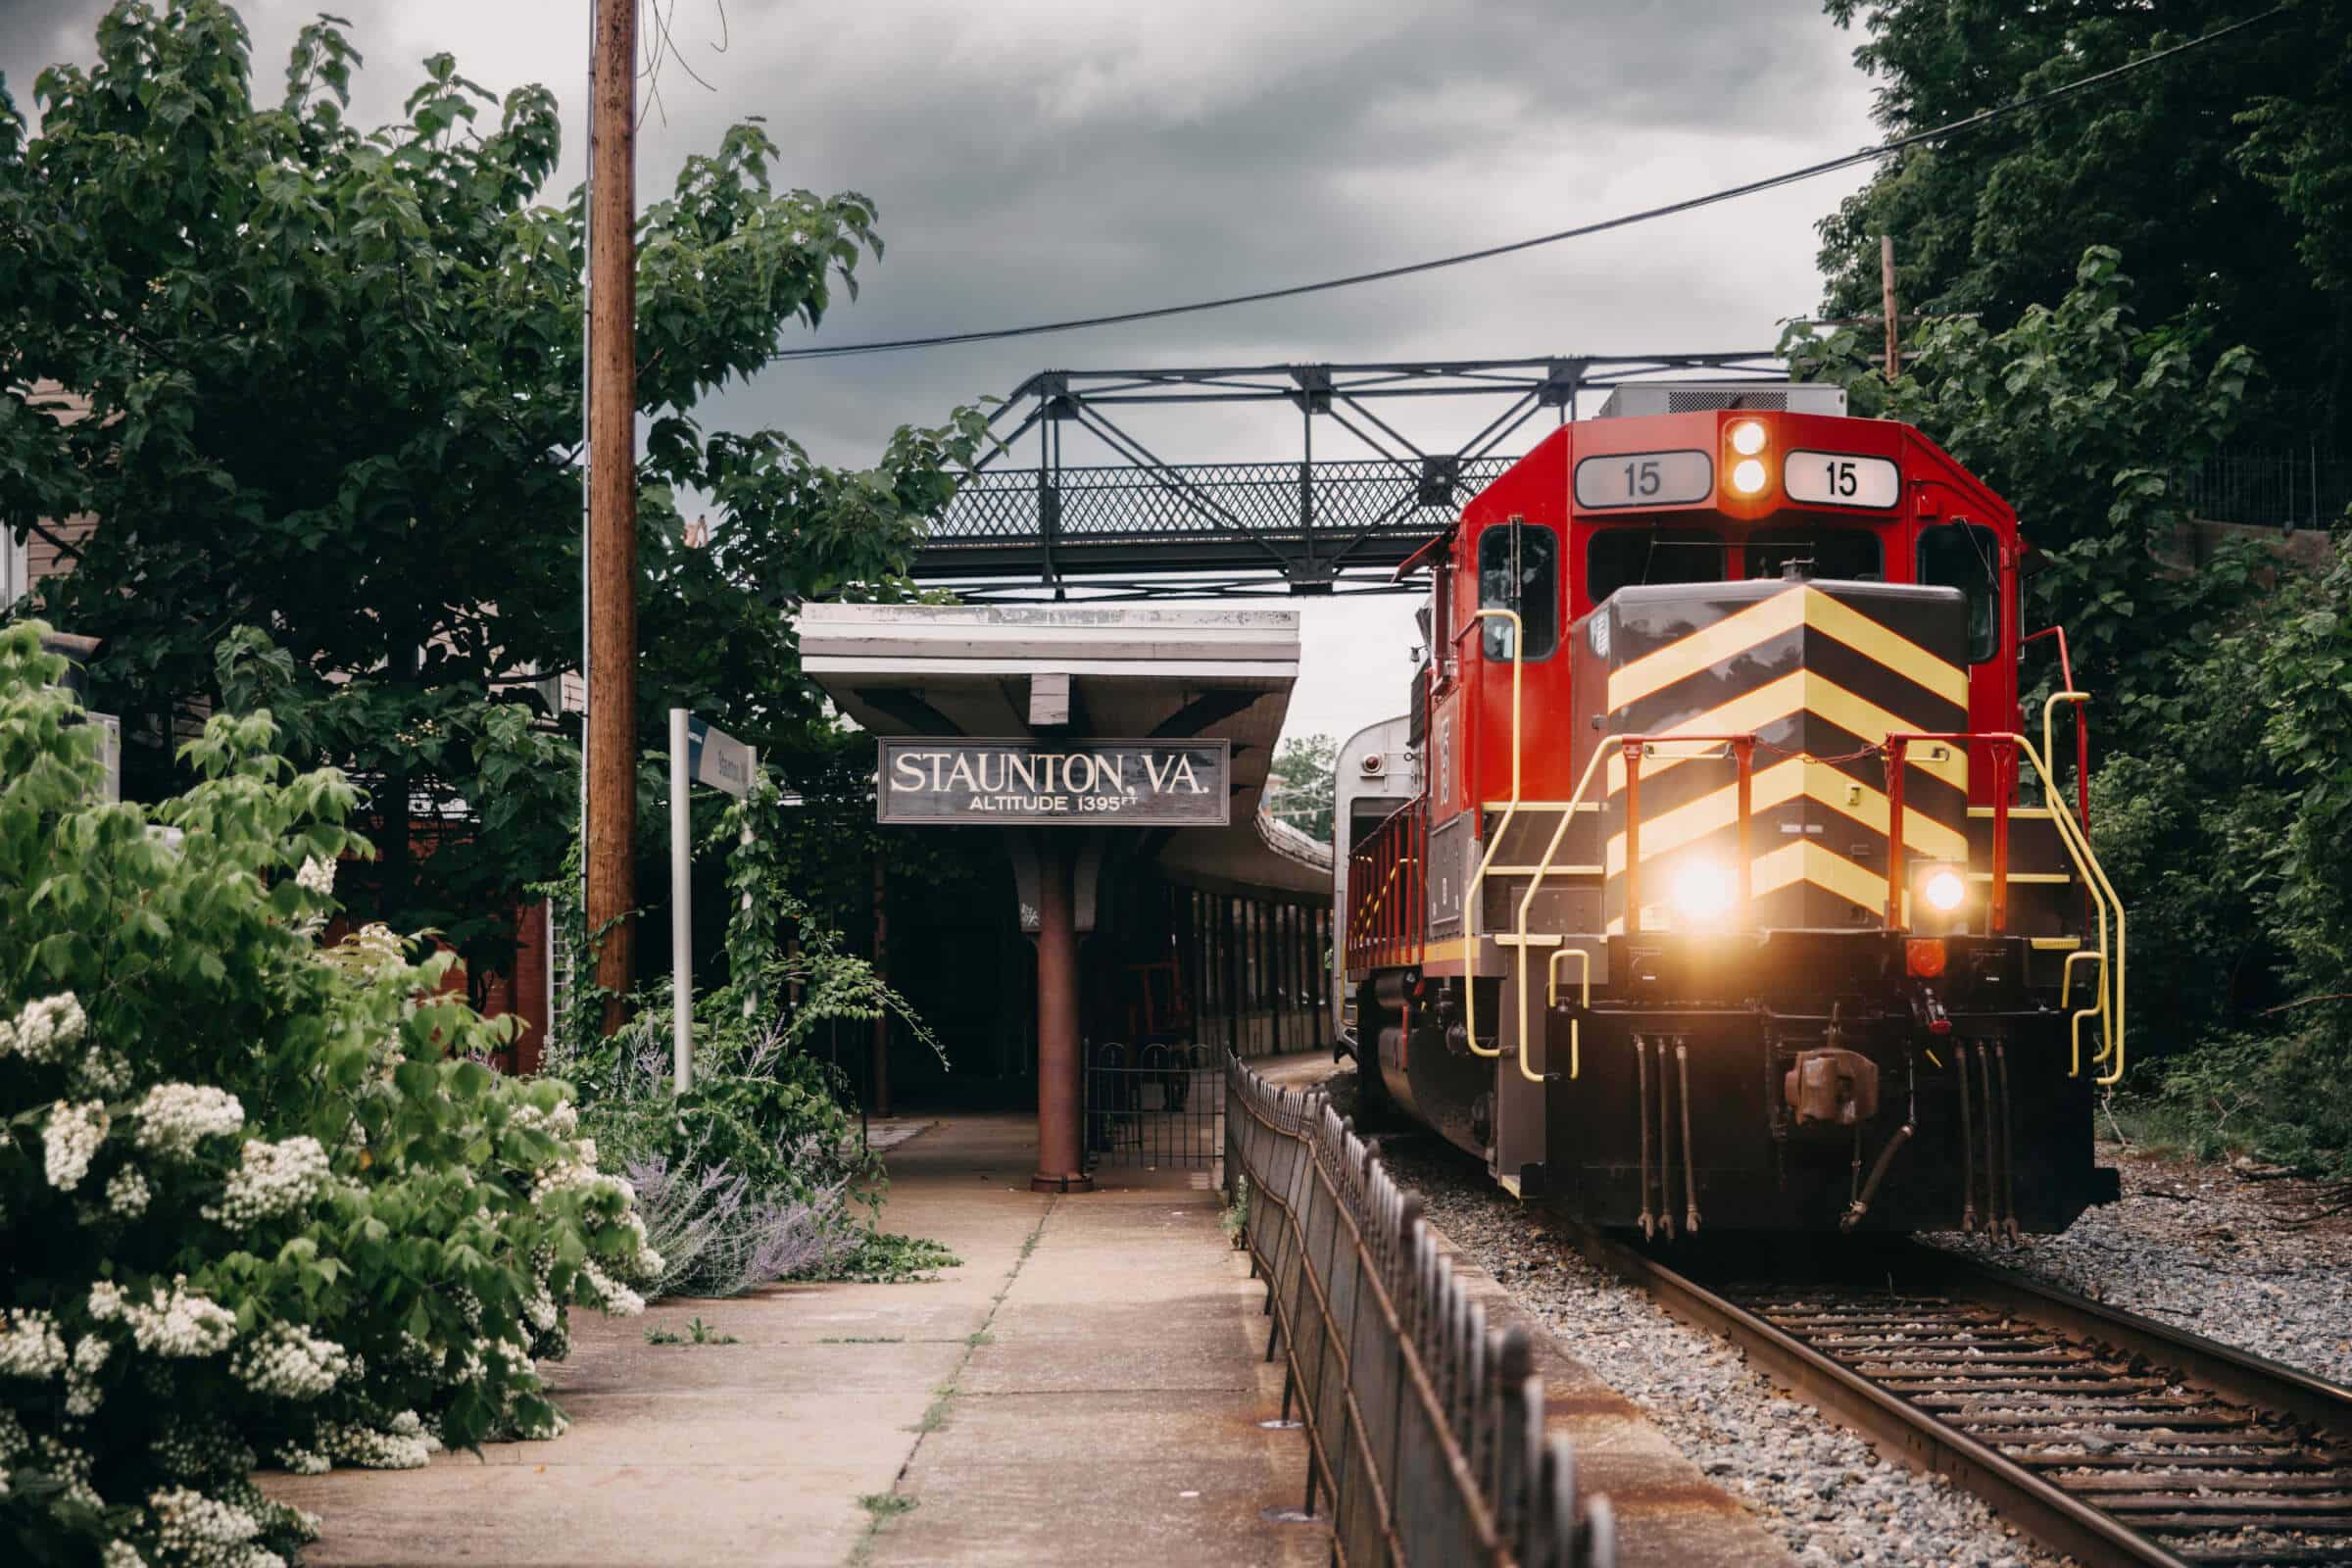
x,y
698,754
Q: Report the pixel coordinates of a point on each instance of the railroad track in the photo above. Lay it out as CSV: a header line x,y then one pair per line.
x,y
2103,1435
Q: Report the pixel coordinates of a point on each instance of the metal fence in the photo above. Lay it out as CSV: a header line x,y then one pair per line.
x,y
2306,489
1425,1432
1160,1105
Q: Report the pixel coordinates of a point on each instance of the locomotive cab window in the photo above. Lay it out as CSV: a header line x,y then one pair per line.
x,y
1627,558
1846,555
1963,555
1519,570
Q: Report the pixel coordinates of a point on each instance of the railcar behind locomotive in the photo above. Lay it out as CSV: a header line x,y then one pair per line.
x,y
1735,890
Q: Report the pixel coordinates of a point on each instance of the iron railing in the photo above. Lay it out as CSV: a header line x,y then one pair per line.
x,y
1425,1432
1387,454
1161,1105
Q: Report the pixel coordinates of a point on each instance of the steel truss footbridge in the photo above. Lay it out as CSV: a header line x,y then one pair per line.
x,y
1129,519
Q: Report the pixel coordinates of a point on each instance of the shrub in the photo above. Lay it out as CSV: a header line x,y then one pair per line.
x,y
255,1199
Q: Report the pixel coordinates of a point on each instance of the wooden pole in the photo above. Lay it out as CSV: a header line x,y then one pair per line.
x,y
611,805
1894,364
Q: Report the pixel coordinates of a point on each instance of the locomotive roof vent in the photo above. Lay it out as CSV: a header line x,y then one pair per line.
x,y
1699,397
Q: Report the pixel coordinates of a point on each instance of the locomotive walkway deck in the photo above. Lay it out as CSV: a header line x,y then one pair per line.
x,y
1084,1388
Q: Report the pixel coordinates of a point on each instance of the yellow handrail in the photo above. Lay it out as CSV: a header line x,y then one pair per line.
x,y
2112,975
1528,899
1509,810
2049,748
1551,999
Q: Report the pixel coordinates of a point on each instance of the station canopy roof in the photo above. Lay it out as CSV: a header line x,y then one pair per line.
x,y
1106,671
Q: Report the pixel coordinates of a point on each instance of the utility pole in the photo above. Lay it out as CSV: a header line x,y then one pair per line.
x,y
1894,362
612,771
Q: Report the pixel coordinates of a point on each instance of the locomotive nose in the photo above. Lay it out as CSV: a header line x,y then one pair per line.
x,y
1819,672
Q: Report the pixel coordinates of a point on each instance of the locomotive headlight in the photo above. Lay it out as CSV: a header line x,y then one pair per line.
x,y
1748,437
1944,889
1747,476
1703,891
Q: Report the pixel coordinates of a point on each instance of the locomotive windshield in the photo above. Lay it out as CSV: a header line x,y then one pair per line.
x,y
1847,555
1519,568
1626,557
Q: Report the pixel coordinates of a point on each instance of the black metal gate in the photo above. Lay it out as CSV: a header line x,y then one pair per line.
x,y
1161,1103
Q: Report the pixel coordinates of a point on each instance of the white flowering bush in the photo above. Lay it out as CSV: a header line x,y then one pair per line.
x,y
259,1203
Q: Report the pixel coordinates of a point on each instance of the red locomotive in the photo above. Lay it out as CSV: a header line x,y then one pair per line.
x,y
1736,890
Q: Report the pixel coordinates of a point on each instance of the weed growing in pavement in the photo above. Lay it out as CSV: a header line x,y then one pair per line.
x,y
1235,1220
881,1507
935,1415
697,1331
883,1258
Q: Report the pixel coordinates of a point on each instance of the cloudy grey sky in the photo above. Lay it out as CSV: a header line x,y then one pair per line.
x,y
1034,159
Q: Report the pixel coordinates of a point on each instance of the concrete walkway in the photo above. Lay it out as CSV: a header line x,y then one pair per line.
x,y
1084,1388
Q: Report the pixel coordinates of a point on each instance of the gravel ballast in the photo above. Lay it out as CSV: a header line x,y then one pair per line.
x,y
2234,1253
1816,1485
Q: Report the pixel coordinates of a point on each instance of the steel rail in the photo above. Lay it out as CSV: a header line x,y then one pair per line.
x,y
2154,1356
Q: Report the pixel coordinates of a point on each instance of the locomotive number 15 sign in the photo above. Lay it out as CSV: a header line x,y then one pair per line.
x,y
1132,783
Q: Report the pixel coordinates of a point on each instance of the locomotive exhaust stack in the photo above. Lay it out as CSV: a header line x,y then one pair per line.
x,y
1727,828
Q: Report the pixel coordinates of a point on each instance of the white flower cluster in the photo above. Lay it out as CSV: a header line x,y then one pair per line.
x,y
83,1394
43,1030
174,1117
541,1310
401,1445
174,1323
608,1293
69,1141
297,1460
121,1554
30,1345
378,944
128,1193
99,1072
561,1122
195,1529
317,876
290,1363
271,1179
576,1171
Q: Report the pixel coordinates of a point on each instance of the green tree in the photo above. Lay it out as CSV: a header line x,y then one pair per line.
x,y
1299,791
333,389
2226,177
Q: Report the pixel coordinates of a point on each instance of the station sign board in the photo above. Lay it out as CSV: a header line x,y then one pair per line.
x,y
1146,783
718,759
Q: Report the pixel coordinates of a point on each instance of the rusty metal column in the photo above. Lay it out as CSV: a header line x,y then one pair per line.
x,y
1060,1165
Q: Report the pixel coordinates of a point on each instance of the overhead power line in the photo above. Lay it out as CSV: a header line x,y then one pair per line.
x,y
1865,155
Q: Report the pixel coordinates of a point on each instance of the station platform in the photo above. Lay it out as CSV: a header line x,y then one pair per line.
x,y
1084,1387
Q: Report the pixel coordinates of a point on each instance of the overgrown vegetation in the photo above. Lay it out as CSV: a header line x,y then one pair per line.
x,y
758,1172
259,1201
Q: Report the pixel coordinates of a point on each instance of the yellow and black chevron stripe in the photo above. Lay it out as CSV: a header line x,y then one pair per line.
x,y
1821,674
